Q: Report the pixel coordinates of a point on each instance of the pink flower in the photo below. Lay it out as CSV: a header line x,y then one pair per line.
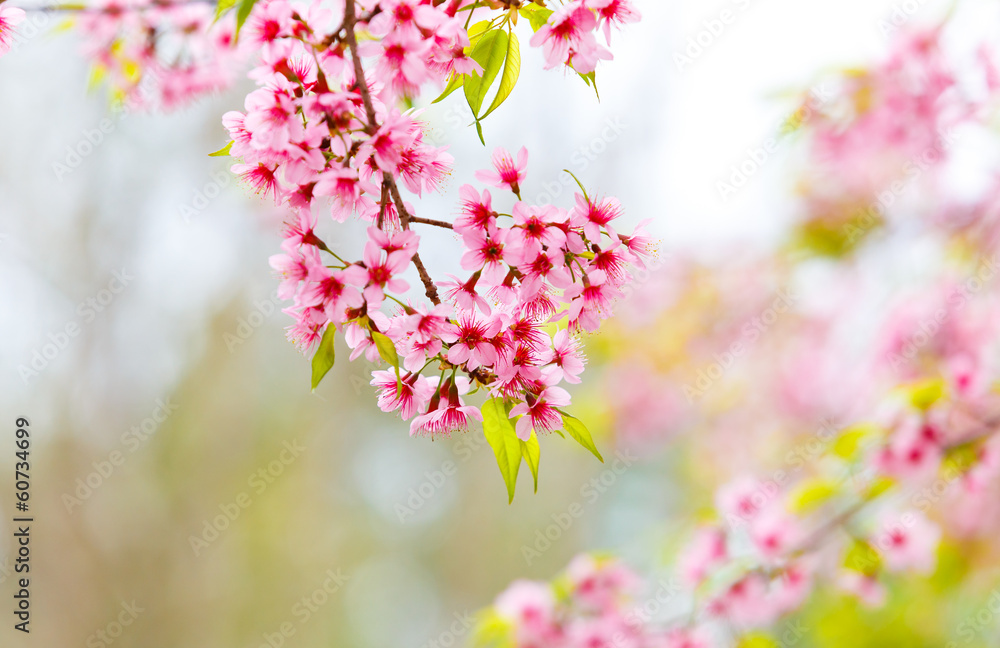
x,y
379,272
508,173
614,12
477,212
594,216
9,18
535,227
908,542
412,397
775,533
600,584
867,588
486,254
447,412
261,178
704,552
464,294
530,606
565,357
471,340
568,38
539,412
743,499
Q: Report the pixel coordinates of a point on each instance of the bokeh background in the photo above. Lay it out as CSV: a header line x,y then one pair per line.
x,y
418,533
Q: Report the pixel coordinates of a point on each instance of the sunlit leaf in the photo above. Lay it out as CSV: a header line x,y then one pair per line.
x,y
322,362
536,15
531,452
386,348
864,558
222,152
810,494
500,434
511,72
490,52
579,431
243,12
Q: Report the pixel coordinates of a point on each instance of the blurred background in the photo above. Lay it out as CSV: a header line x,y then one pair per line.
x,y
183,474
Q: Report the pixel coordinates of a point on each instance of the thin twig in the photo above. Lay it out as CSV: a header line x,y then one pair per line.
x,y
431,221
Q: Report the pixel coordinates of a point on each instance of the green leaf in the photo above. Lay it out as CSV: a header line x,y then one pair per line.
x,y
590,79
851,440
224,6
222,152
386,349
536,15
323,360
500,434
923,395
511,71
456,82
242,13
864,558
531,452
479,131
579,431
490,52
810,494
475,32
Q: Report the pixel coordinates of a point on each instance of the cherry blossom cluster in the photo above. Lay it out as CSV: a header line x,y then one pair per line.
x,y
596,602
568,37
889,132
160,53
316,140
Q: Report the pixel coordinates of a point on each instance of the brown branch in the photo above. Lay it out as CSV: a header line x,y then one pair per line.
x,y
430,221
350,20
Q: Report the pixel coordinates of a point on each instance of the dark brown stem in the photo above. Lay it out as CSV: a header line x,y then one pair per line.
x,y
430,221
350,20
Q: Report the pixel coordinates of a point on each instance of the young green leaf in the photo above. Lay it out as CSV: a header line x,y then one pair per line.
x,y
386,349
490,52
242,13
456,82
511,71
536,15
579,431
324,358
222,152
223,7
531,452
591,80
500,434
